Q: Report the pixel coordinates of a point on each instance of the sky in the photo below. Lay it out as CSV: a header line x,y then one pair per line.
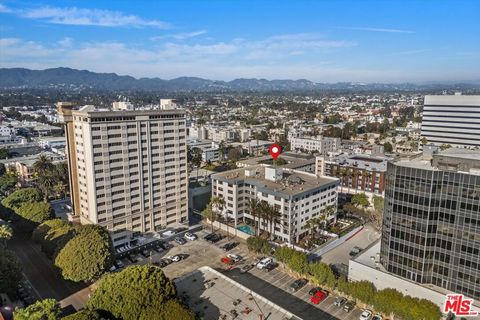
x,y
322,41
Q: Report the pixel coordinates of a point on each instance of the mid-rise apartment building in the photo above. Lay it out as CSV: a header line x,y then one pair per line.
x,y
297,195
128,168
452,119
431,226
357,173
317,144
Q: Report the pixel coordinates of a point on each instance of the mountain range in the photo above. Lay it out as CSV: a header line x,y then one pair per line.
x,y
68,78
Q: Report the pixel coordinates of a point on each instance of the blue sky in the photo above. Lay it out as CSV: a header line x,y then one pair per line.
x,y
323,41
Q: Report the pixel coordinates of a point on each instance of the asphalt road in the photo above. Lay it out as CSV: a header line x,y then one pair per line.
x,y
39,270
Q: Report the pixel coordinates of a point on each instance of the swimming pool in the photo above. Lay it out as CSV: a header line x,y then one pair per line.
x,y
247,230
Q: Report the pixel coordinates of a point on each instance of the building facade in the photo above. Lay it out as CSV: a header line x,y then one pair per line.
x,y
128,168
431,227
298,196
453,120
318,144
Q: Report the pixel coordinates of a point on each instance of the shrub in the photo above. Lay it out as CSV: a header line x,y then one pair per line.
x,y
20,197
10,272
259,245
48,309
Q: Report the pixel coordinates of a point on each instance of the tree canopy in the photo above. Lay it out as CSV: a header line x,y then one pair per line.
x,y
33,214
360,199
52,235
21,197
10,272
48,309
85,315
87,255
138,292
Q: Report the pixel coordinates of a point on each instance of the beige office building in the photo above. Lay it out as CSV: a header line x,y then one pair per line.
x,y
128,168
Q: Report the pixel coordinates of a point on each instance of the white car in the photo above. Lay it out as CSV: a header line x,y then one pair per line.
x,y
235,257
175,258
366,315
264,262
190,236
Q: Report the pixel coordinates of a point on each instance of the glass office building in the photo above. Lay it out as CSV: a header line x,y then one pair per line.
x,y
431,231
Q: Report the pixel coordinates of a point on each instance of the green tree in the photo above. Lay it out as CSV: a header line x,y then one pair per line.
x,y
259,245
85,315
8,181
254,210
138,292
4,154
6,233
387,147
323,274
10,272
209,214
87,255
360,199
33,214
52,235
20,197
42,165
48,309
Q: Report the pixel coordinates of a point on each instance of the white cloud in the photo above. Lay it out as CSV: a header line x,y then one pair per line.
x,y
180,36
90,17
380,30
4,9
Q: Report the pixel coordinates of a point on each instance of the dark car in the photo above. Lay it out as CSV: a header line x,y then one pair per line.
x,y
314,290
269,267
229,246
132,257
146,253
297,284
349,306
180,240
166,245
215,238
209,236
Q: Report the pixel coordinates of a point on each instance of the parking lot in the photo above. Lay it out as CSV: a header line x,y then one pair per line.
x,y
198,253
273,285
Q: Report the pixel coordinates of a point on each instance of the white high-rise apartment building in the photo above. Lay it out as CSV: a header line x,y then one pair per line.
x,y
298,196
128,169
452,119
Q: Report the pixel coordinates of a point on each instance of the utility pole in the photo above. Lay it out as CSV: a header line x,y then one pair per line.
x,y
261,315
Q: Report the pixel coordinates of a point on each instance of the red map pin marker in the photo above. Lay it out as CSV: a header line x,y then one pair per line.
x,y
275,151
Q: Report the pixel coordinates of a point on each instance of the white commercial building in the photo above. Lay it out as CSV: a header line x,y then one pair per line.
x,y
318,144
452,119
128,169
298,196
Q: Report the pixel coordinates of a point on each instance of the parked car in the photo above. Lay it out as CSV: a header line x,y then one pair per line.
x,y
209,236
166,245
215,238
379,317
166,261
366,315
119,264
319,296
298,284
339,302
246,268
175,258
349,306
229,246
191,236
269,267
132,257
180,241
146,253
235,257
264,262
356,250
314,290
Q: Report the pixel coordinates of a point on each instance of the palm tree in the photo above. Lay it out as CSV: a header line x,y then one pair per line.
x,y
218,204
222,148
254,208
45,183
275,214
210,214
43,164
344,174
6,233
263,215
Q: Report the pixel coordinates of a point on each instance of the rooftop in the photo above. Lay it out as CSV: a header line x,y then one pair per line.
x,y
291,183
370,163
212,295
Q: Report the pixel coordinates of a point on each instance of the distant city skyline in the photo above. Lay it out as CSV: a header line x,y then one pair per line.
x,y
322,41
